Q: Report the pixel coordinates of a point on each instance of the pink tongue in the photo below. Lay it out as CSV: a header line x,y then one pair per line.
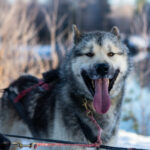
x,y
101,98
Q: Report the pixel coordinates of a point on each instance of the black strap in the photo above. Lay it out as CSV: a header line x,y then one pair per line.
x,y
69,142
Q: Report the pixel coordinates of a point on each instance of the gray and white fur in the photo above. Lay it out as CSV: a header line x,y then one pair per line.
x,y
58,113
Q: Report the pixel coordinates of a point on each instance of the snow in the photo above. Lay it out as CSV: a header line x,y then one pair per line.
x,y
138,109
139,41
132,140
141,56
43,50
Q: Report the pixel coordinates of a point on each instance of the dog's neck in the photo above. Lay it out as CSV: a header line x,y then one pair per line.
x,y
104,121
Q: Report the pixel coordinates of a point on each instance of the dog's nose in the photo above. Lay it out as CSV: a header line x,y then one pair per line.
x,y
102,69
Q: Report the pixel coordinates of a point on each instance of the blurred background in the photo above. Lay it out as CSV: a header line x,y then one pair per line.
x,y
35,35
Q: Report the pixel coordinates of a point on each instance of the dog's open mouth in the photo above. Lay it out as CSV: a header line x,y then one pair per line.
x,y
100,89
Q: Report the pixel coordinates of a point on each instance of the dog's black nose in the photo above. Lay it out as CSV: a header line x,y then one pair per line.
x,y
102,69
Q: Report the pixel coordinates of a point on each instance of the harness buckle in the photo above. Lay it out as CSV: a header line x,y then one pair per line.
x,y
20,145
85,104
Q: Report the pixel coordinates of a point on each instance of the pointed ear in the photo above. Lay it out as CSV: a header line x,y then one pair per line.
x,y
76,34
115,31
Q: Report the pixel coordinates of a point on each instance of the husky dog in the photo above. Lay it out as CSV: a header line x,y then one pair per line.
x,y
94,70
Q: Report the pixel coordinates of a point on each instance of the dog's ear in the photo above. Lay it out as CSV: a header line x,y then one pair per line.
x,y
76,34
115,31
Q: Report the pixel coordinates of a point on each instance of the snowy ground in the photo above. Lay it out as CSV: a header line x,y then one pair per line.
x,y
132,140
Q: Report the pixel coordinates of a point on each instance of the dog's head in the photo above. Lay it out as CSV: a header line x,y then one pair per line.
x,y
99,63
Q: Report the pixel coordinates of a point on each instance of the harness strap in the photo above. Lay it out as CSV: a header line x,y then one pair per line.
x,y
52,142
90,115
20,108
24,92
99,141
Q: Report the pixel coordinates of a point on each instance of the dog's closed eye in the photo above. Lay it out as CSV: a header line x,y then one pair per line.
x,y
111,54
90,54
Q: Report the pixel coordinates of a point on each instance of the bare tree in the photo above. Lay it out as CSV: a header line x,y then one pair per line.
x,y
53,24
17,37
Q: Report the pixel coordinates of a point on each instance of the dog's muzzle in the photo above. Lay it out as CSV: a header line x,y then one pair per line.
x,y
99,82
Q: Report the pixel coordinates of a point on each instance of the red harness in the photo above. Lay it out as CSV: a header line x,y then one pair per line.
x,y
24,92
96,144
